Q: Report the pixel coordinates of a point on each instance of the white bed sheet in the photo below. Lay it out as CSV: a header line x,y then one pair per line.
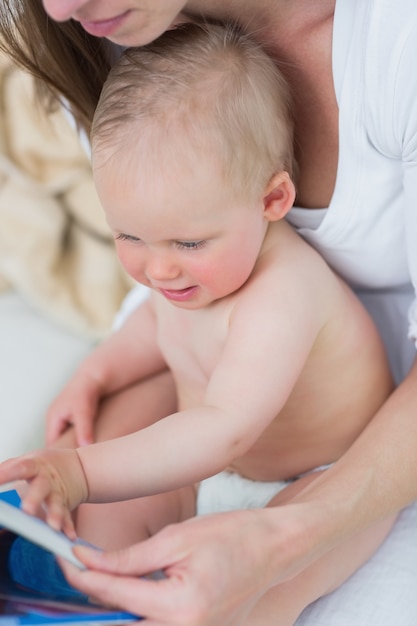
x,y
36,359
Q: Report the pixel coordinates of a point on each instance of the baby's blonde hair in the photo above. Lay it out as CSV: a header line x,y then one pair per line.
x,y
217,88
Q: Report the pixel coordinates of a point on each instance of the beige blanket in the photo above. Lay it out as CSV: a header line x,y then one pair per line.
x,y
55,247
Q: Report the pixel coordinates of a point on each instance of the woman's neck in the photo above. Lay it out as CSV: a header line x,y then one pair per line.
x,y
298,34
286,17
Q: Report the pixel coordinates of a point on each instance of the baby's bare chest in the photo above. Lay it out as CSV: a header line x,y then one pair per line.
x,y
192,342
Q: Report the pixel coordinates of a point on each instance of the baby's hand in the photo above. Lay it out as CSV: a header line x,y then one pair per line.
x,y
56,485
76,405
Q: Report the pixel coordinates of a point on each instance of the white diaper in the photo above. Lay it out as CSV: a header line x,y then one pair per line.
x,y
229,491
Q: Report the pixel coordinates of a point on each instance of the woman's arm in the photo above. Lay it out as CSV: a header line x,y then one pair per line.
x,y
244,553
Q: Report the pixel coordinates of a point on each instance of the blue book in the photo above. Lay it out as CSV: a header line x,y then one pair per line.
x,y
33,589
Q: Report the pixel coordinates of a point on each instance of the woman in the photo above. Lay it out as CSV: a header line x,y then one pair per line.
x,y
350,65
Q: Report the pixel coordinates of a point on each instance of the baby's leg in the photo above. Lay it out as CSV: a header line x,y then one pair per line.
x,y
283,604
119,524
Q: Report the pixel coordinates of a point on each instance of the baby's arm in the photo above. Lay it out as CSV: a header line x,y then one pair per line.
x,y
247,389
125,357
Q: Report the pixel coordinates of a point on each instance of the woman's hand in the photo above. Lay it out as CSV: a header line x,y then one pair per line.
x,y
56,485
76,405
216,568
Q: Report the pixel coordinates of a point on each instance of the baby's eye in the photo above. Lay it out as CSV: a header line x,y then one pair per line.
x,y
190,245
124,237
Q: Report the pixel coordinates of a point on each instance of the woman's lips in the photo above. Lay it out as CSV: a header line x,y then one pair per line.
x,y
179,295
104,28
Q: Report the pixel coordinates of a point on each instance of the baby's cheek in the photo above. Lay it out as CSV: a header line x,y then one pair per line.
x,y
130,260
216,279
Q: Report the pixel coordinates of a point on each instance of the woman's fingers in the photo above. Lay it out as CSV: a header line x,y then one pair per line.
x,y
202,561
170,602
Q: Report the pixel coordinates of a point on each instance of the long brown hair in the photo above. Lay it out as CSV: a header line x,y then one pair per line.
x,y
68,62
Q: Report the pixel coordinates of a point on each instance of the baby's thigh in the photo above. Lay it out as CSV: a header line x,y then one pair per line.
x,y
288,493
117,525
136,407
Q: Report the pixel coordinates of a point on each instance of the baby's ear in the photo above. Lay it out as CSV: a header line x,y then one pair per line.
x,y
279,196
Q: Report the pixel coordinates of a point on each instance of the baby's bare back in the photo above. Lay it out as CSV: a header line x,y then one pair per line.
x,y
344,381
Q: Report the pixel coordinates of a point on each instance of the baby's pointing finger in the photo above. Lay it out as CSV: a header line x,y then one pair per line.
x,y
18,468
58,516
38,492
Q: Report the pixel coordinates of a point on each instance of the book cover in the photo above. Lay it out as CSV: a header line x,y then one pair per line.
x,y
33,590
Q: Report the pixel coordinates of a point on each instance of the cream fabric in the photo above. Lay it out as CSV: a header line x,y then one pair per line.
x,y
55,247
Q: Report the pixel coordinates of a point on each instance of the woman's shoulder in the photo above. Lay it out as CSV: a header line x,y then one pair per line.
x,y
375,44
391,38
390,77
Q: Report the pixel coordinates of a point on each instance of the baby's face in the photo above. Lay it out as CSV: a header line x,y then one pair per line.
x,y
126,22
179,229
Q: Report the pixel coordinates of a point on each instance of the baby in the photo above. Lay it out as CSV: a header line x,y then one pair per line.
x,y
277,366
